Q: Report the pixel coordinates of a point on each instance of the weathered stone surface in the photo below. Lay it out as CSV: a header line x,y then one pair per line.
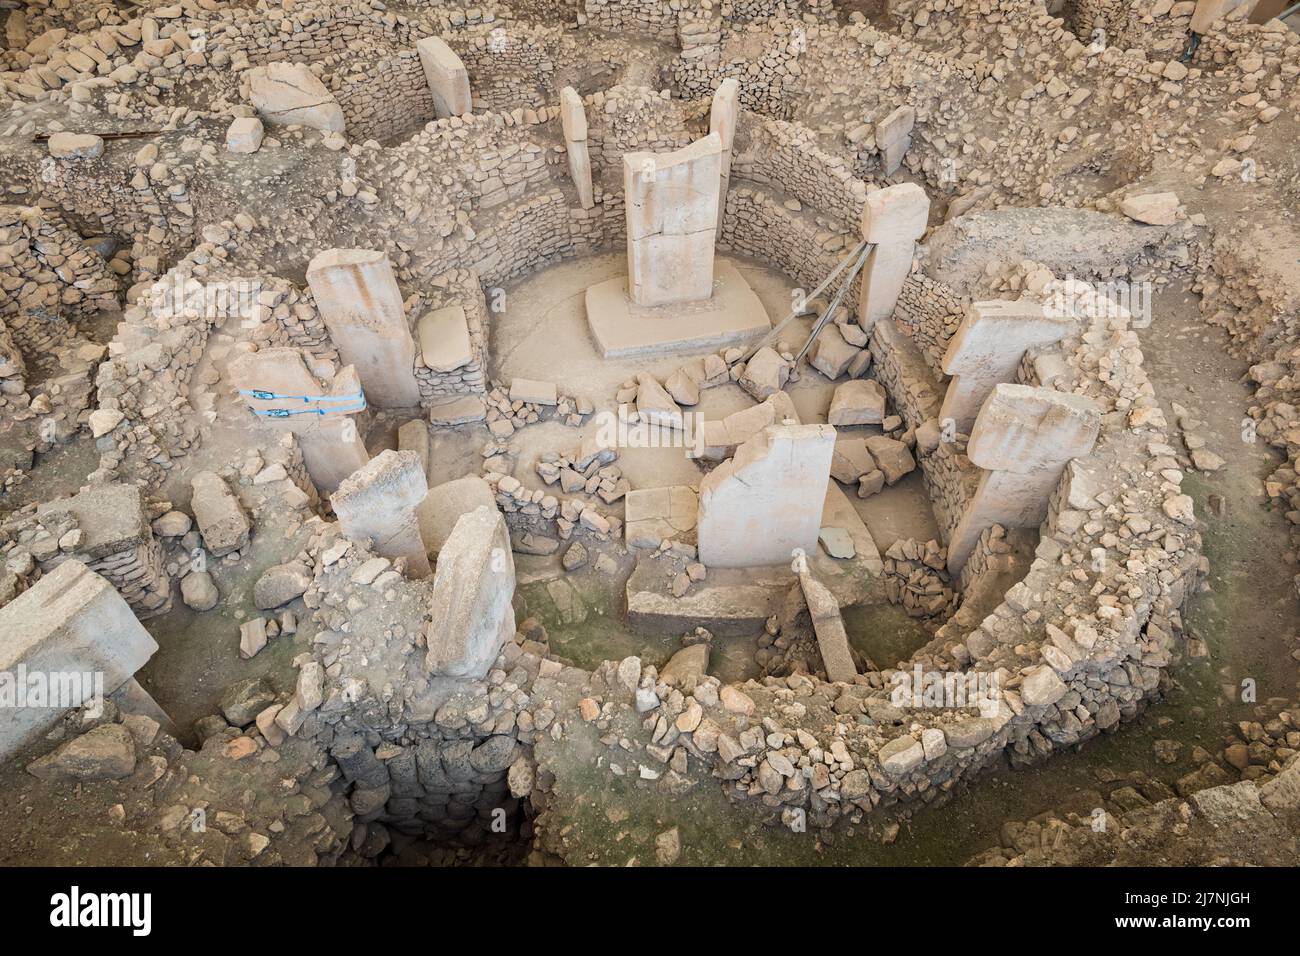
x,y
471,613
105,753
290,93
766,502
219,515
69,626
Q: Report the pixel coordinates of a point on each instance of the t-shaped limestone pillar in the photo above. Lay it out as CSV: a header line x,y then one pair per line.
x,y
379,502
987,349
447,77
893,219
672,218
573,121
1024,436
767,501
331,444
358,298
75,636
724,114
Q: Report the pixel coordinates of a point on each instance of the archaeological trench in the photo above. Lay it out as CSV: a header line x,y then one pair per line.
x,y
649,432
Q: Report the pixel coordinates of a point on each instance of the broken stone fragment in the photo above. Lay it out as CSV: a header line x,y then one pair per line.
x,y
244,135
858,402
219,515
892,456
105,753
245,699
1154,209
280,584
901,755
288,93
198,591
75,146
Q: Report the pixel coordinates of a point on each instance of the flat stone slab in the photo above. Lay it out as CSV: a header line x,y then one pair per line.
x,y
458,411
734,315
443,335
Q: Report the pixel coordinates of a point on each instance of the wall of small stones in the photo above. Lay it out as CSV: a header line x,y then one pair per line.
x,y
382,98
765,58
49,279
771,152
508,67
929,313
147,378
648,18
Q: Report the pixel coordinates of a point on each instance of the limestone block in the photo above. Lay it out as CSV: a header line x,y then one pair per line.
x,y
219,515
987,349
244,135
894,136
767,501
472,616
379,501
361,304
444,339
446,75
860,401
66,628
65,145
1023,428
893,219
672,212
290,93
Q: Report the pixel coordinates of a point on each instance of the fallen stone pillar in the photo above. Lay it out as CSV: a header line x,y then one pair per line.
x,y
65,642
220,517
447,77
472,614
672,216
573,120
828,625
331,443
724,114
893,219
987,349
1024,436
379,502
358,298
767,501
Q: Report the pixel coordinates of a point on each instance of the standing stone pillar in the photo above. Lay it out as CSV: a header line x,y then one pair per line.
x,y
767,501
331,443
724,114
573,120
379,502
447,77
988,348
893,219
359,300
672,218
1023,437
